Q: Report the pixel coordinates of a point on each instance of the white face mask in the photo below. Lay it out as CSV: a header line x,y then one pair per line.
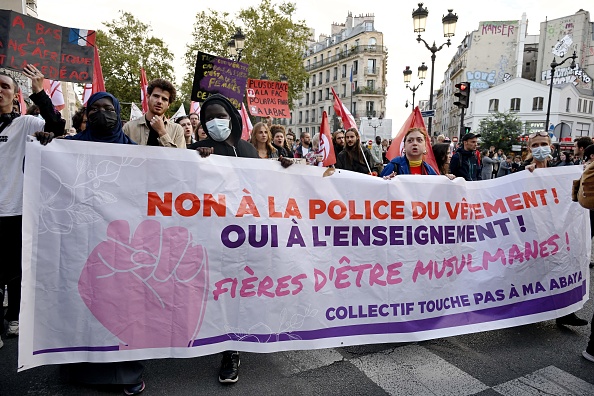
x,y
541,153
218,129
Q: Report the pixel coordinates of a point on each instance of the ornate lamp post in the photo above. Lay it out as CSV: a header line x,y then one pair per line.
x,y
373,125
236,44
422,70
449,27
554,65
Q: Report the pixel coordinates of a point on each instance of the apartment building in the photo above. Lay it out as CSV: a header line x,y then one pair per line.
x,y
499,52
353,61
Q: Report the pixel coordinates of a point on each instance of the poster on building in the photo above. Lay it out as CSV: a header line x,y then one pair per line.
x,y
267,98
60,53
214,74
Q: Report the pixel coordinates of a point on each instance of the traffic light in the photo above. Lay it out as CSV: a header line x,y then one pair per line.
x,y
466,130
463,95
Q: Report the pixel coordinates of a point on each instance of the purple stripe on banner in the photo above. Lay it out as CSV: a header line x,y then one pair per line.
x,y
80,348
539,305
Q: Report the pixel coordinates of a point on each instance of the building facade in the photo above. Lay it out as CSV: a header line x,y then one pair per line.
x,y
353,61
499,52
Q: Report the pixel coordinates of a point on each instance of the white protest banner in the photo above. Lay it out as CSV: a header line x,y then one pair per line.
x,y
133,252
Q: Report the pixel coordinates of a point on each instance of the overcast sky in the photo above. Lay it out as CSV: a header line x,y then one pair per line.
x,y
173,20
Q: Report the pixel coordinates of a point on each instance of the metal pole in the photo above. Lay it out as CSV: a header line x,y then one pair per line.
x,y
461,123
413,104
431,92
553,66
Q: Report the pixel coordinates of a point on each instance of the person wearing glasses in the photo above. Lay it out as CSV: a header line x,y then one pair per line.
x,y
540,154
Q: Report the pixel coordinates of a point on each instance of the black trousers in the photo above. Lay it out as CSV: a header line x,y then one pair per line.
x,y
11,242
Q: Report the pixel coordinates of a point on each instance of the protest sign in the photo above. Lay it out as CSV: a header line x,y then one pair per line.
x,y
130,253
214,74
267,98
60,53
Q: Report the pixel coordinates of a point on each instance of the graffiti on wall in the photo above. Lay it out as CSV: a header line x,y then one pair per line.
x,y
566,75
498,29
481,80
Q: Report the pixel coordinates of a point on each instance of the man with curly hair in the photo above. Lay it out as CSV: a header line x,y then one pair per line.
x,y
153,129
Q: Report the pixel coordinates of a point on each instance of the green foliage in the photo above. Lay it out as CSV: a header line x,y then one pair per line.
x,y
124,48
274,43
500,130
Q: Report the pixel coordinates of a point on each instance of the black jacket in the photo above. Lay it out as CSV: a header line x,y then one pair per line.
x,y
464,163
342,162
241,147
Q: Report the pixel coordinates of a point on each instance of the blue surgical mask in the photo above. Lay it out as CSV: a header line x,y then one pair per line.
x,y
218,129
541,153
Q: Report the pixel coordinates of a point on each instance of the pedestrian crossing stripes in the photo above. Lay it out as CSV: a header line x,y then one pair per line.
x,y
413,370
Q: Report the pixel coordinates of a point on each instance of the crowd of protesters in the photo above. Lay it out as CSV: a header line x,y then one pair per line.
x,y
217,130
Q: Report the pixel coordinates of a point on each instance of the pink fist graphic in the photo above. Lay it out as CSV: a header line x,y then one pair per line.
x,y
148,289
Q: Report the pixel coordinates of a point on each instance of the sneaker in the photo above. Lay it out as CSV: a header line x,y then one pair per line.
x,y
134,389
13,328
587,356
571,320
229,372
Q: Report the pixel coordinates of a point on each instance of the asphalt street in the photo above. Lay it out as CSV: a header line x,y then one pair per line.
x,y
536,359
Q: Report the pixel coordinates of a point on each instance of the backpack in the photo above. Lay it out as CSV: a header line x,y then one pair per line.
x,y
585,192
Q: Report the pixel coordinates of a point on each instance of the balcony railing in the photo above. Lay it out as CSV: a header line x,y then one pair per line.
x,y
371,71
368,91
355,50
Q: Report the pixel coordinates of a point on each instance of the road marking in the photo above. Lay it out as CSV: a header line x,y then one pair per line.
x,y
294,362
548,381
413,370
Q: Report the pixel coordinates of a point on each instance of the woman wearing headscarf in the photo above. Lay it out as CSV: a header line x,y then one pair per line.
x,y
104,125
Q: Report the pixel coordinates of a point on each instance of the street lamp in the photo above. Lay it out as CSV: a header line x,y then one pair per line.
x,y
449,27
554,65
374,126
422,72
236,44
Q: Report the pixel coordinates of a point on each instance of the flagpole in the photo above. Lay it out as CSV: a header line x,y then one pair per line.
x,y
364,157
352,89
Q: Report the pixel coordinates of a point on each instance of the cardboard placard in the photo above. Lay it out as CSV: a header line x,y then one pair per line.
x,y
214,74
26,40
268,98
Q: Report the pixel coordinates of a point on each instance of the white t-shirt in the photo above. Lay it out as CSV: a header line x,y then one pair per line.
x,y
12,154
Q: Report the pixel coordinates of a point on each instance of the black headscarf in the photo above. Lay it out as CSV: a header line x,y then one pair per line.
x,y
236,125
116,135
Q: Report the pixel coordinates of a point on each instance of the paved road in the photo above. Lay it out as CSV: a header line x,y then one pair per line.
x,y
537,359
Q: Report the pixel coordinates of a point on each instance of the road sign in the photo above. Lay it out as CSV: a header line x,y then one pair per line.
x,y
428,113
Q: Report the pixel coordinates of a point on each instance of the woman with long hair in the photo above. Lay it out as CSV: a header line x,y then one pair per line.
x,y
443,155
411,163
279,141
354,157
186,124
262,140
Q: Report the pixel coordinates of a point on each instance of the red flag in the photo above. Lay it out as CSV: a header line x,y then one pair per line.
x,y
326,146
348,121
194,107
143,89
246,124
98,82
53,89
414,120
22,103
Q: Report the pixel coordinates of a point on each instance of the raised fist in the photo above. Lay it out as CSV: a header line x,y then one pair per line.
x,y
148,289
